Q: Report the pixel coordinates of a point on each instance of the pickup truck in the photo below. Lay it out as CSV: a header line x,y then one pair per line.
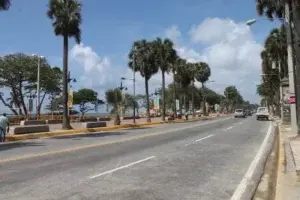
x,y
262,113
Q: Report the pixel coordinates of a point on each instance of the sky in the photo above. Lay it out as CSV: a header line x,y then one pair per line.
x,y
213,31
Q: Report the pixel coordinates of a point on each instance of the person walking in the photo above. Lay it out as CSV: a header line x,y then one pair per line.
x,y
4,126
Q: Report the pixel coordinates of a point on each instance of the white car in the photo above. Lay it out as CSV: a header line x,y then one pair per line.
x,y
262,113
239,113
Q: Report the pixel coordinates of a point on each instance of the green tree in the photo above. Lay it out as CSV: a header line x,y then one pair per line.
x,y
270,8
86,99
166,57
202,74
55,104
66,21
233,97
183,76
18,72
114,98
142,59
4,4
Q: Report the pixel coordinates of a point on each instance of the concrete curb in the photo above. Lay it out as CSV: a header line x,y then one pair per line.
x,y
92,130
250,181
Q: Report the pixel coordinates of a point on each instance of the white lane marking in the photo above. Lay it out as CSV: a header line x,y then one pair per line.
x,y
247,177
199,140
241,122
204,138
122,167
230,127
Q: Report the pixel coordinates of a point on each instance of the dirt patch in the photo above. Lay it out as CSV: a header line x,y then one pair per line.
x,y
266,189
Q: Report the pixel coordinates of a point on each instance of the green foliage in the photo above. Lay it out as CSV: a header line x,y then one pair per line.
x,y
202,72
18,72
86,99
66,17
5,4
114,98
233,98
270,8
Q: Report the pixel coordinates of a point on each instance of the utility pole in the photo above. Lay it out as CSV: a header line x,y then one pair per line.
x,y
290,66
134,100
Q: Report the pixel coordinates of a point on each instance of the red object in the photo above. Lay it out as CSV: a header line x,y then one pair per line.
x,y
292,99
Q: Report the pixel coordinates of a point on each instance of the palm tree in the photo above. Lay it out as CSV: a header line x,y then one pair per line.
x,y
66,21
114,98
4,4
166,57
193,67
202,74
270,8
142,59
184,77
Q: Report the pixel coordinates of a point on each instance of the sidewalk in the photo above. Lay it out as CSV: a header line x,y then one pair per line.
x,y
288,180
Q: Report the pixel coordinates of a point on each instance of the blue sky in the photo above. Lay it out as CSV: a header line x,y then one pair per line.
x,y
110,27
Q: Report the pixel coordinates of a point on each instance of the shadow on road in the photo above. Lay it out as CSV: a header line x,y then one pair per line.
x,y
139,128
12,145
89,135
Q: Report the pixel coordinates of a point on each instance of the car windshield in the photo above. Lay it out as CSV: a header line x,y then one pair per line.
x,y
261,110
239,110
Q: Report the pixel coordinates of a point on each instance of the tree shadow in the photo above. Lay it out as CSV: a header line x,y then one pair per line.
x,y
89,135
13,145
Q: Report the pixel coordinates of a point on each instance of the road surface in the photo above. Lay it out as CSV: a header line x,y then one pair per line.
x,y
196,160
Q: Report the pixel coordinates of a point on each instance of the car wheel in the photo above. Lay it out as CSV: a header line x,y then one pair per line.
x,y
257,118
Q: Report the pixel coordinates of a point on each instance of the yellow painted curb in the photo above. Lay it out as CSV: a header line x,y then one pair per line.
x,y
91,130
280,163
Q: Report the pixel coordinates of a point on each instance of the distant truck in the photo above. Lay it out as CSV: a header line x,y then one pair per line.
x,y
262,113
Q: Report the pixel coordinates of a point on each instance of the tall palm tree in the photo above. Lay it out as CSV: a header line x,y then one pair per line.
x,y
184,77
166,57
142,58
5,4
193,68
202,74
66,21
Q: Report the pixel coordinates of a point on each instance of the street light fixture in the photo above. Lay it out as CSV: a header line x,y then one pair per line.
x,y
250,22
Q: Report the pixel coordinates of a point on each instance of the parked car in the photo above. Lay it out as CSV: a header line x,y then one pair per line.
x,y
239,113
262,113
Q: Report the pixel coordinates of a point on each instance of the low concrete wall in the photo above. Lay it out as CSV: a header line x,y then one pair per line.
x,y
31,129
104,119
89,119
54,121
32,122
94,124
127,118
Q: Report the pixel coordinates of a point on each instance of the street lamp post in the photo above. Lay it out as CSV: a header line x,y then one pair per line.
x,y
122,88
134,106
38,83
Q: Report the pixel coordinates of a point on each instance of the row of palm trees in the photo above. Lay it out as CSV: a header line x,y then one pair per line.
x,y
150,57
146,57
274,67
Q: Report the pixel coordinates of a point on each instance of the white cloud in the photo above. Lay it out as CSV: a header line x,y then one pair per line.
x,y
173,33
231,52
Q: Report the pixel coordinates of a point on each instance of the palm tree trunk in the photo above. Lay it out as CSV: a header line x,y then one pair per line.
x,y
163,96
147,100
184,101
193,109
203,100
66,121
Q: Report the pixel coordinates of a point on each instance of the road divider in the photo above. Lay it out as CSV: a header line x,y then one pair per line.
x,y
94,130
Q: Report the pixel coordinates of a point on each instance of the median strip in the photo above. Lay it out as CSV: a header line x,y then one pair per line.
x,y
92,130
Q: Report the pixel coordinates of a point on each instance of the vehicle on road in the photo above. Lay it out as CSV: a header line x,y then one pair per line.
x,y
239,113
262,113
248,112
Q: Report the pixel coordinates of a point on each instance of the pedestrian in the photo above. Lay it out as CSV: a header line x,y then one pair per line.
x,y
4,126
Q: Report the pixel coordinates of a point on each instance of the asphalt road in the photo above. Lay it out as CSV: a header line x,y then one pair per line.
x,y
197,160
